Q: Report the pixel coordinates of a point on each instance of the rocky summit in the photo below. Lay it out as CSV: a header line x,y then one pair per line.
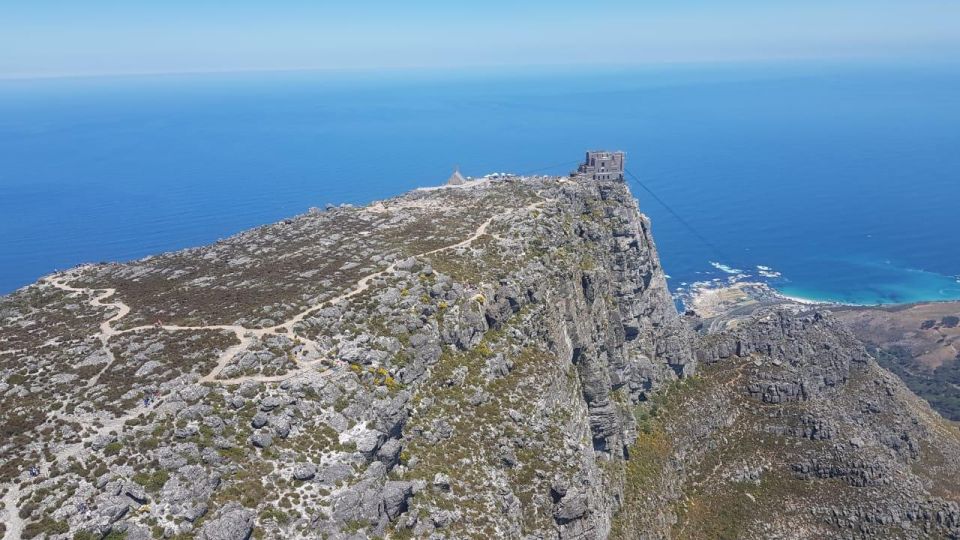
x,y
498,359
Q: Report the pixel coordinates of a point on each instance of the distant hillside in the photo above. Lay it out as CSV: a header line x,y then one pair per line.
x,y
918,342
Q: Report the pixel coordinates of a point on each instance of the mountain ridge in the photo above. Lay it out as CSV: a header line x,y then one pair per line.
x,y
501,359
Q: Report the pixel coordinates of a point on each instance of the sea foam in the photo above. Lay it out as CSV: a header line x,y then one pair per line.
x,y
725,268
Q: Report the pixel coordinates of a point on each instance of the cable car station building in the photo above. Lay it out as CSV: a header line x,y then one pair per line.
x,y
603,165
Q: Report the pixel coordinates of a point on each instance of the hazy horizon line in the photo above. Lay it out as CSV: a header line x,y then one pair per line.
x,y
383,69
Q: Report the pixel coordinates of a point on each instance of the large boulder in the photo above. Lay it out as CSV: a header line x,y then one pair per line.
x,y
396,496
304,471
232,522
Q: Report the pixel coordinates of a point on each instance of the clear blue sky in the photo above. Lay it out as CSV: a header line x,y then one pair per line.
x,y
58,37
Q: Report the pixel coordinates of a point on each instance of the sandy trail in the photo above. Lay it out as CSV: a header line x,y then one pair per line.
x,y
245,336
106,329
109,424
11,514
303,368
364,283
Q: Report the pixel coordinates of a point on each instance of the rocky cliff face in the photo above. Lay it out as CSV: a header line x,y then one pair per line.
x,y
790,430
531,398
500,359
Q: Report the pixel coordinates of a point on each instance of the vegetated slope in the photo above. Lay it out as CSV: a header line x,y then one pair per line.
x,y
497,360
918,342
791,430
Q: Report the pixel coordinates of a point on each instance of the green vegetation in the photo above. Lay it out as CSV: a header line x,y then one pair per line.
x,y
650,455
152,482
47,526
728,513
492,263
246,486
275,514
457,377
113,448
939,386
353,526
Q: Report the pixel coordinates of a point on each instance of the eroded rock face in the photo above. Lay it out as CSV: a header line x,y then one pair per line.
x,y
502,360
807,355
789,412
232,522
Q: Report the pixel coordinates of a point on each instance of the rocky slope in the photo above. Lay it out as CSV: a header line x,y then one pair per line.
x,y
501,359
918,342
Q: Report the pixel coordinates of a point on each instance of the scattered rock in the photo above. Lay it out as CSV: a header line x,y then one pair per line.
x,y
304,471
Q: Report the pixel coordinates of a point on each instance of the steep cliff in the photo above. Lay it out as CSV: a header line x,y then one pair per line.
x,y
522,416
790,430
500,359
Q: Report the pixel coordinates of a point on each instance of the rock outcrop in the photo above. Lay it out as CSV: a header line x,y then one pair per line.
x,y
499,359
791,430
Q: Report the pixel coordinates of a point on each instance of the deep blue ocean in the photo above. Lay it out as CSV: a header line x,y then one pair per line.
x,y
844,178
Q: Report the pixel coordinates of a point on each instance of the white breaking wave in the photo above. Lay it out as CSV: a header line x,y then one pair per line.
x,y
724,268
767,272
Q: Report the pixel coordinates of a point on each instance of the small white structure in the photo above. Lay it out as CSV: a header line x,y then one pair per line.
x,y
456,179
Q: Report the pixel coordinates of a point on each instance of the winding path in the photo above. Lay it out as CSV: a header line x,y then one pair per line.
x,y
245,336
100,299
11,514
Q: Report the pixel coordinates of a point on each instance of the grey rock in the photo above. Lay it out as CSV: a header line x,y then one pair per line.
x,y
135,492
444,518
186,432
193,393
574,505
389,453
368,442
101,441
270,403
259,420
331,475
211,456
249,389
281,427
236,402
194,512
134,532
261,439
441,482
195,412
395,498
232,522
113,512
304,471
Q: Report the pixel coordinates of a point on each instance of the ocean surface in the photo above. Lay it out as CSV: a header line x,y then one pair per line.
x,y
842,180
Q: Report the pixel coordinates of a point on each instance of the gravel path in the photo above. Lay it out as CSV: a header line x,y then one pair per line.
x,y
245,336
